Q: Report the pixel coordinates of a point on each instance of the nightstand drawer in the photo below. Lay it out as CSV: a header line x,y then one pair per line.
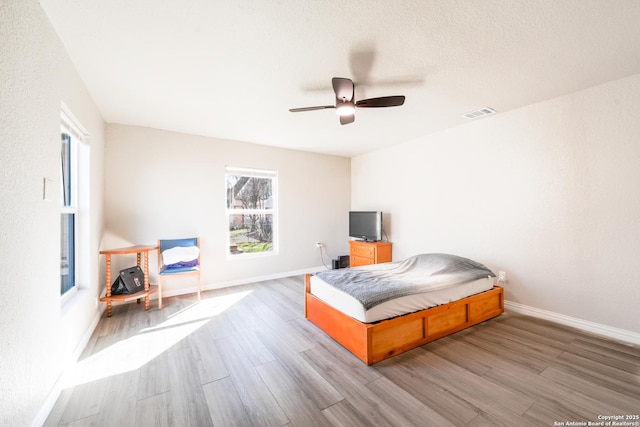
x,y
358,261
362,251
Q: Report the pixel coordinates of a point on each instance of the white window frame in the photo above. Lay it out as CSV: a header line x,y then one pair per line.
x,y
79,203
273,211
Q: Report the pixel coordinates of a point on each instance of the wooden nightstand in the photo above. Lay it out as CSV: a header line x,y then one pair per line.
x,y
367,253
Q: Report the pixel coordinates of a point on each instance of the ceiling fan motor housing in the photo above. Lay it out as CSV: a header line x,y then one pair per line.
x,y
345,108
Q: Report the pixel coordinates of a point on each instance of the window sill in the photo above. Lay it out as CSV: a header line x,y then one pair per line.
x,y
250,255
68,296
70,300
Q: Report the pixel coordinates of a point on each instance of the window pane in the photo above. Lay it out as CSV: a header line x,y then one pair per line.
x,y
250,233
246,192
66,170
67,252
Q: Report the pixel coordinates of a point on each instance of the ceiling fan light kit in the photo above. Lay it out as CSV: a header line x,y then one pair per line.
x,y
345,109
345,105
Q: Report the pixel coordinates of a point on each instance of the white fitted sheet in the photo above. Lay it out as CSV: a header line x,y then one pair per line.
x,y
396,307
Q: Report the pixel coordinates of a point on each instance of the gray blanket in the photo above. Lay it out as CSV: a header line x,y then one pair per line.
x,y
375,284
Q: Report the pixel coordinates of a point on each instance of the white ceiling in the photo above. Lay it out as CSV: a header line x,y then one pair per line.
x,y
231,69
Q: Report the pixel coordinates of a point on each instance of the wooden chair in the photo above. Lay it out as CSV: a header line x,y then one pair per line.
x,y
165,272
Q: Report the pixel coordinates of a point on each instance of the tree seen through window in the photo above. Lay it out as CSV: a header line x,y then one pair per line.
x,y
251,212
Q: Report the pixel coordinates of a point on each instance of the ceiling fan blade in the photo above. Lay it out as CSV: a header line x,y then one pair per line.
x,y
385,101
320,107
345,120
343,88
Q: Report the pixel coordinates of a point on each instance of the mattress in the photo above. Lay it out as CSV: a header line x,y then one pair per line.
x,y
396,307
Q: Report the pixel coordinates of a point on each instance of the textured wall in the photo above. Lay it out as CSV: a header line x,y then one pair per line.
x,y
163,184
547,193
35,336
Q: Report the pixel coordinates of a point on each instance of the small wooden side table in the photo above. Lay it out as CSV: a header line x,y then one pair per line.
x,y
148,289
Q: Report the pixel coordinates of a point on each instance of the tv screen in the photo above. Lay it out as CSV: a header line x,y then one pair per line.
x,y
365,225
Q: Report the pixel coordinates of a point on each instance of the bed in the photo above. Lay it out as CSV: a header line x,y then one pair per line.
x,y
379,311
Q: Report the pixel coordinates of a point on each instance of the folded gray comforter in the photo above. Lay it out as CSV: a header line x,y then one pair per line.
x,y
375,284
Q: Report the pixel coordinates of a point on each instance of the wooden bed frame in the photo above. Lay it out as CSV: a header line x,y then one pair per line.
x,y
373,342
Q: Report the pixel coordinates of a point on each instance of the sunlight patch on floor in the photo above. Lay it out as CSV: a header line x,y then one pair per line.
x,y
136,351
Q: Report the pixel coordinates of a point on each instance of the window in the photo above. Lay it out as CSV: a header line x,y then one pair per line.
x,y
251,211
74,183
68,213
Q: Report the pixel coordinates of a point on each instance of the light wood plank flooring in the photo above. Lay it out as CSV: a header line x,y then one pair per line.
x,y
245,356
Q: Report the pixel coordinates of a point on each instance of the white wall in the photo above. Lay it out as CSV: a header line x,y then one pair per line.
x,y
548,193
37,334
162,185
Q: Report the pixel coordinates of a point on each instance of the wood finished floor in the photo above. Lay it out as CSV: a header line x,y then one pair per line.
x,y
245,356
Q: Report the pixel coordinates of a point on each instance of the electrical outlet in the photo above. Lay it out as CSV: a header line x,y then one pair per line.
x,y
319,244
502,276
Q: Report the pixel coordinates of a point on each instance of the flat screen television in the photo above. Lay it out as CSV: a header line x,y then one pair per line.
x,y
365,225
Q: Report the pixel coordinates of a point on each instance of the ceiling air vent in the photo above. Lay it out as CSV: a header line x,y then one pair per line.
x,y
479,113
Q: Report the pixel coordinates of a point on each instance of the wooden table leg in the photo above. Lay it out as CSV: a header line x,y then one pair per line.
x,y
146,280
108,284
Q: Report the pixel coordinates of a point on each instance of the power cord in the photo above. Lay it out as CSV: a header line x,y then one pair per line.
x,y
322,255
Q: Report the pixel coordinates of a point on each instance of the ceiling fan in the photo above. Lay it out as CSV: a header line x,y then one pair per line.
x,y
346,104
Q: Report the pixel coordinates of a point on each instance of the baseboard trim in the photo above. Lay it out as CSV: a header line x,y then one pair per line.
x,y
239,282
596,328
